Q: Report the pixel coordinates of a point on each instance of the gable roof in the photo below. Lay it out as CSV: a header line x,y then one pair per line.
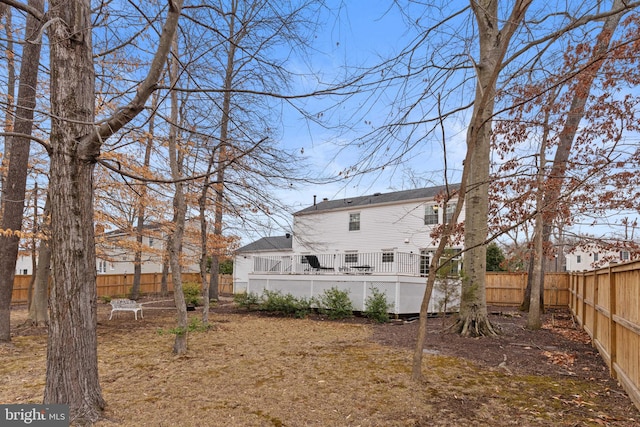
x,y
378,199
274,243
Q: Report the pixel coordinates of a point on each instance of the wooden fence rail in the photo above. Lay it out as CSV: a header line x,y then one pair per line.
x,y
119,285
606,303
508,288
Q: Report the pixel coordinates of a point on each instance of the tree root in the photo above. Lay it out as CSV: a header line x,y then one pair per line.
x,y
474,325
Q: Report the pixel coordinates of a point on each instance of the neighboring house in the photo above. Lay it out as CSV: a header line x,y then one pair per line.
x,y
590,257
24,264
354,243
116,252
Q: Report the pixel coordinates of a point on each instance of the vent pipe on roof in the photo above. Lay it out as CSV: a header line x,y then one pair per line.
x,y
314,200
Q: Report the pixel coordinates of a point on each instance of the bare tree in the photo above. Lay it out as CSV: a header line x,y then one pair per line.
x,y
493,43
5,12
142,202
174,242
72,368
38,310
13,194
554,185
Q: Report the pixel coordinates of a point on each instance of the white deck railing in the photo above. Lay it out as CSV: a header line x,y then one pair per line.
x,y
402,263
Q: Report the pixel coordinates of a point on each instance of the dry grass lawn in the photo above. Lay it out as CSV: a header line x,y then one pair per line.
x,y
258,371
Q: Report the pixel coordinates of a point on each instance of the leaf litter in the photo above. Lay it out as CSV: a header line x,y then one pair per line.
x,y
256,370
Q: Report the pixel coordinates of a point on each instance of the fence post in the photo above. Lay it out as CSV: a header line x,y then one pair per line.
x,y
584,299
613,352
595,309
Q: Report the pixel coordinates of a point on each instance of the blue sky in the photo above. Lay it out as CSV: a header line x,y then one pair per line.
x,y
362,34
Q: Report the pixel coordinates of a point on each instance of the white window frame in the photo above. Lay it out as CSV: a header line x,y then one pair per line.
x,y
431,215
354,225
351,257
448,214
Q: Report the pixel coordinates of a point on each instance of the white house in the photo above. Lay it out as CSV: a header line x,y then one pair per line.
x,y
115,252
24,264
381,240
590,257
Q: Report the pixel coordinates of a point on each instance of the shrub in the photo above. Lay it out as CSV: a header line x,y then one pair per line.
x,y
276,302
376,306
335,303
192,293
248,300
105,299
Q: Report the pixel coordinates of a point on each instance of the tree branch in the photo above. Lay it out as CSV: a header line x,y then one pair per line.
x,y
25,8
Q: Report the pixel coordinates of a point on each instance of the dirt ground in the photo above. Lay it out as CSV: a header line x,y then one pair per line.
x,y
252,369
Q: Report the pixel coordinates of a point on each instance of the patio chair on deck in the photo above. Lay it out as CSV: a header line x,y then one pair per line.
x,y
315,263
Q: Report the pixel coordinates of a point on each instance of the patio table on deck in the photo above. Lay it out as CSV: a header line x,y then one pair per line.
x,y
363,269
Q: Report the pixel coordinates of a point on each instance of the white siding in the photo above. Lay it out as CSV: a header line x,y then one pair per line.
x,y
23,265
404,294
382,227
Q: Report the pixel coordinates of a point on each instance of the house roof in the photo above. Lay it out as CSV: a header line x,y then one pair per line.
x,y
377,199
273,243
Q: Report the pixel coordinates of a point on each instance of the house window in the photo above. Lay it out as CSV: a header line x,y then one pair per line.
x,y
150,242
431,215
102,266
387,256
450,267
354,222
451,208
351,257
425,261
624,255
595,256
578,259
25,271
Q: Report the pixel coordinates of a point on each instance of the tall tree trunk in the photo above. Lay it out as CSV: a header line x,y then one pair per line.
x,y
39,308
34,247
72,349
179,211
223,154
72,363
537,277
493,43
137,257
202,205
164,280
13,193
11,90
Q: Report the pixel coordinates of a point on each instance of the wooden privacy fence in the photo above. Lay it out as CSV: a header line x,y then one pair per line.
x,y
114,285
508,288
606,303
